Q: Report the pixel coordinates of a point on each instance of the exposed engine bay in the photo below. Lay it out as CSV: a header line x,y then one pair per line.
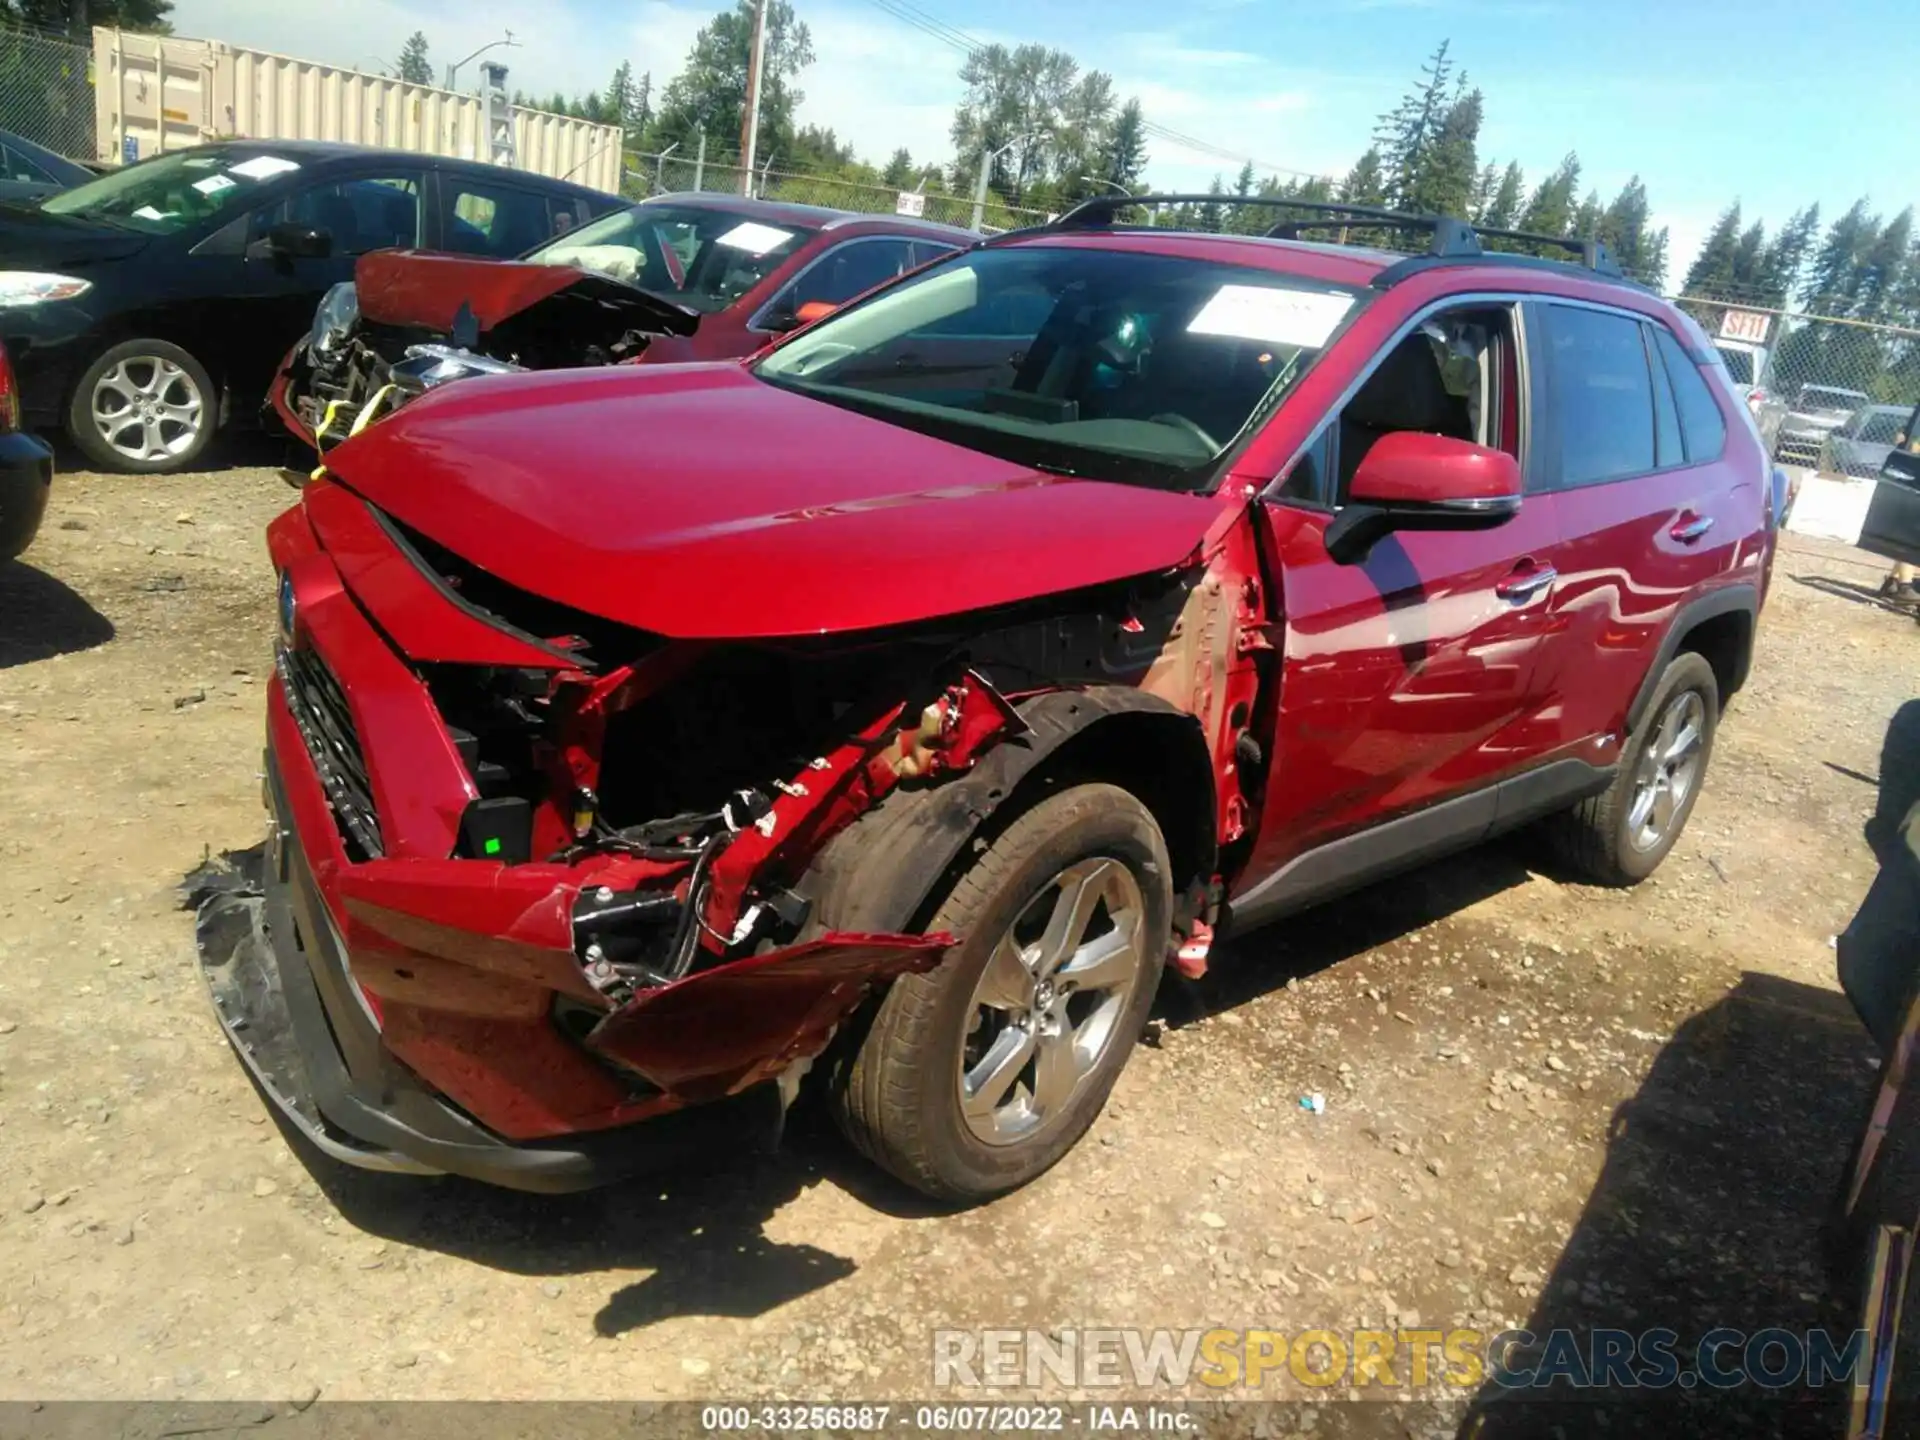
x,y
408,323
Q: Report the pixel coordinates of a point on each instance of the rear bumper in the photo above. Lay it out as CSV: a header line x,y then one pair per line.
x,y
26,480
282,992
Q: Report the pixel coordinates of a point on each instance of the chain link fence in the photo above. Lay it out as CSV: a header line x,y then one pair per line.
x,y
675,172
1830,392
46,91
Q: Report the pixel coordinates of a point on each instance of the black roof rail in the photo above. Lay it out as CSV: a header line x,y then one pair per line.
x,y
1453,240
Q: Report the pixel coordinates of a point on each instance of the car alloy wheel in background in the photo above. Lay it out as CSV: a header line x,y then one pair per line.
x,y
148,409
144,406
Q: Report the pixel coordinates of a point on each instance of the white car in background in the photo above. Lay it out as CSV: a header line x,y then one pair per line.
x,y
1750,370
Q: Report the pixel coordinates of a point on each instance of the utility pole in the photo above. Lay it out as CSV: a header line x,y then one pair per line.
x,y
987,157
750,122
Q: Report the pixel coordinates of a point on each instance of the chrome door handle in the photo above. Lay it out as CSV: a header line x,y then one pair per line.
x,y
1688,531
1523,586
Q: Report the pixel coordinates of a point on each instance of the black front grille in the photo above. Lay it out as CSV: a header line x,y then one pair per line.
x,y
319,708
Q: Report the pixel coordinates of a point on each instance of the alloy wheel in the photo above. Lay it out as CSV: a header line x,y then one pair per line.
x,y
1048,1004
1668,769
147,408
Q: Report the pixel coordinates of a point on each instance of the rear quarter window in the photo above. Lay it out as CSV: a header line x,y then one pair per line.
x,y
1702,426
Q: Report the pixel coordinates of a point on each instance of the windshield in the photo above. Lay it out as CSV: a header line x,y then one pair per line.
x,y
1112,364
171,192
1739,364
702,258
1824,397
1884,427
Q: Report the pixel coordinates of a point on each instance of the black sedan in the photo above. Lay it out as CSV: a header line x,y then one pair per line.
x,y
33,172
144,308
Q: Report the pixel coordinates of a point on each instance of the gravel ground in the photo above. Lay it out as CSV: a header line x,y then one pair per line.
x,y
1545,1103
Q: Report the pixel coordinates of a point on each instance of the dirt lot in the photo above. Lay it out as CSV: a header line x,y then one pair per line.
x,y
1545,1103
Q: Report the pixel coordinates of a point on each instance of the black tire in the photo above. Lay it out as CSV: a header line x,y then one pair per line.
x,y
144,359
1596,836
899,1098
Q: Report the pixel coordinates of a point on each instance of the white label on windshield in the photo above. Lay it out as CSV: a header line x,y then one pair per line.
x,y
213,184
263,167
752,238
147,212
1278,317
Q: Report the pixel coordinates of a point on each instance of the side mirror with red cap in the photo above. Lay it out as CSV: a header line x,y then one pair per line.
x,y
1411,480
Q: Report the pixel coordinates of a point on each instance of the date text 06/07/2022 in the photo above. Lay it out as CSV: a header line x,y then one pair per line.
x,y
857,1419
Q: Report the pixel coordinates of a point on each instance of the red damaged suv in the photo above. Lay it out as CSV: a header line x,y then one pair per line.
x,y
899,702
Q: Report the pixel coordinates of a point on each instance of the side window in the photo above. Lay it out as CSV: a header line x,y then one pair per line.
x,y
480,218
18,167
1602,395
1667,449
364,213
1457,375
928,250
1701,422
851,270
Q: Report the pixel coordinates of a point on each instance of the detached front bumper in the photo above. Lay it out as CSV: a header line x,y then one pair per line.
x,y
277,971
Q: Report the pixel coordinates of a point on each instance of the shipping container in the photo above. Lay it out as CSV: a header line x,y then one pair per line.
x,y
154,93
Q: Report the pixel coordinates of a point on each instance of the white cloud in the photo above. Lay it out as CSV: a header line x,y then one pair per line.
x,y
877,83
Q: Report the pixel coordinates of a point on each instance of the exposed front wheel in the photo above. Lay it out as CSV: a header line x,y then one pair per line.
x,y
143,406
1622,834
979,1075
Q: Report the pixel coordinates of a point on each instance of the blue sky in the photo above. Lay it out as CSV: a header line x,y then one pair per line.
x,y
1770,102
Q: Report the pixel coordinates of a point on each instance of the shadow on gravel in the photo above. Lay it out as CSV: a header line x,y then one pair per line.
x,y
1246,968
40,617
1708,1213
1847,590
699,1231
230,450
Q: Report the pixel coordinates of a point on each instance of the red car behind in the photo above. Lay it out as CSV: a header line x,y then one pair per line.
x,y
679,277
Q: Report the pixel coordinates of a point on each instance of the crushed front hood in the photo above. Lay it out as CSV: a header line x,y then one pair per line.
x,y
698,502
425,291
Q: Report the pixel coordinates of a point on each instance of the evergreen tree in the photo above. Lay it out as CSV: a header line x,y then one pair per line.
x,y
1829,286
414,68
899,174
1882,267
1442,179
1748,257
1503,209
1623,229
1550,210
1712,273
1780,266
1484,184
1404,133
1586,219
625,103
1123,160
710,92
1366,183
1210,213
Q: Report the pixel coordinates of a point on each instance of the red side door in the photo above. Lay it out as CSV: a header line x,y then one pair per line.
x,y
1651,511
1411,677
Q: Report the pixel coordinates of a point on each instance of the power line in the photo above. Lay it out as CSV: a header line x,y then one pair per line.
x,y
911,15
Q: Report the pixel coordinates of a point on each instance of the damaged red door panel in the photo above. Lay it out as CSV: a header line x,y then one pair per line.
x,y
721,1030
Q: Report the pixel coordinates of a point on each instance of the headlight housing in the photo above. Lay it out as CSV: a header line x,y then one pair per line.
x,y
31,287
339,312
